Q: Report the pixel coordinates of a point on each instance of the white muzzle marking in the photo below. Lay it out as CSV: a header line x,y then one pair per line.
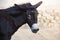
x,y
34,27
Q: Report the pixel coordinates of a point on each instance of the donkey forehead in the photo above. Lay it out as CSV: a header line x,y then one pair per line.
x,y
32,12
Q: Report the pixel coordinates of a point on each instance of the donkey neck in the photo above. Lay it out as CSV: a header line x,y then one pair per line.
x,y
19,21
15,12
17,15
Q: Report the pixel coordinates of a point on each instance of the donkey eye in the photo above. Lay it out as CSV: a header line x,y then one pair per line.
x,y
29,16
32,11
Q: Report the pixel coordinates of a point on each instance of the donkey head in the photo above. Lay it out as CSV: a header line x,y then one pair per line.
x,y
30,15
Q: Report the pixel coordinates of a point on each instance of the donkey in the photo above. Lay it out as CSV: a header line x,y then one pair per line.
x,y
17,16
7,26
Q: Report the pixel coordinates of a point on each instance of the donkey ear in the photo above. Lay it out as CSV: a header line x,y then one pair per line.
x,y
37,5
15,4
20,7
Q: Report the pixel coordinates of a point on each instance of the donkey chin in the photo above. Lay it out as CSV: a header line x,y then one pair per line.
x,y
34,28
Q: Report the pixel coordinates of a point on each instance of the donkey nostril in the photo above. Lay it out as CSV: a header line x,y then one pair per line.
x,y
37,29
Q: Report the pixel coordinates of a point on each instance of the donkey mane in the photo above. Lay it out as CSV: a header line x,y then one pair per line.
x,y
15,10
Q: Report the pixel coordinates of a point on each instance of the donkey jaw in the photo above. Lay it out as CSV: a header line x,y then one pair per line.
x,y
34,28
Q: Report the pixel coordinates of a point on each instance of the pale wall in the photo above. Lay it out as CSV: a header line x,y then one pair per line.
x,y
54,4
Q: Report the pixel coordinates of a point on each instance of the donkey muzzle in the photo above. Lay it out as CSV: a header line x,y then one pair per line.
x,y
34,28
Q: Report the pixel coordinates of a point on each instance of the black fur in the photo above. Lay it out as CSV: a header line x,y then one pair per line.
x,y
14,17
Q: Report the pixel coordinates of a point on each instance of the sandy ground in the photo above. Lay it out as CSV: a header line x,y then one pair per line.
x,y
43,34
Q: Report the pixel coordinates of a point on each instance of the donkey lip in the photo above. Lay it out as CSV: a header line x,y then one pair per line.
x,y
35,30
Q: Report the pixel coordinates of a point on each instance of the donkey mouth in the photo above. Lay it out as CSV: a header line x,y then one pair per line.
x,y
35,30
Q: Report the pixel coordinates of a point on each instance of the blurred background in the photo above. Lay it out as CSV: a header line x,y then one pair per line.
x,y
48,20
